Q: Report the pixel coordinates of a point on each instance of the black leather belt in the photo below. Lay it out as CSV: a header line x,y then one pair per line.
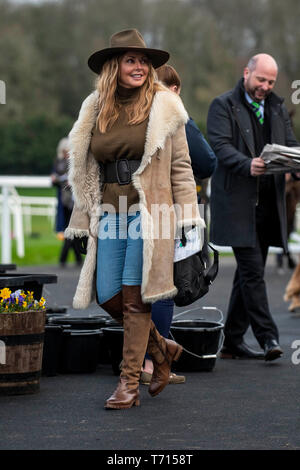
x,y
120,171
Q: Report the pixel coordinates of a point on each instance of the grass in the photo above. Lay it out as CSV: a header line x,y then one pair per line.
x,y
42,245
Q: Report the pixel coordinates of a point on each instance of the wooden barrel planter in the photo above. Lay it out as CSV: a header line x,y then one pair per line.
x,y
21,343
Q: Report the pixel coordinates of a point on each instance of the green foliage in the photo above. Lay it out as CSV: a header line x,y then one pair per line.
x,y
44,48
29,147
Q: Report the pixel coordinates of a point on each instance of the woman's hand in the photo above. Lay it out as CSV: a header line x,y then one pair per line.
x,y
81,244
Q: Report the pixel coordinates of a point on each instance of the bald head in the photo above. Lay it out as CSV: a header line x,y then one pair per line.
x,y
260,76
262,59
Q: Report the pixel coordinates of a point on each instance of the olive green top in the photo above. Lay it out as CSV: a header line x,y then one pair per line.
x,y
120,141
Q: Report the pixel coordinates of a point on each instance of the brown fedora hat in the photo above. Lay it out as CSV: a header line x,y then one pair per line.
x,y
129,39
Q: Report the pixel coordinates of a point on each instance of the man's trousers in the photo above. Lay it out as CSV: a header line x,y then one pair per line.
x,y
248,303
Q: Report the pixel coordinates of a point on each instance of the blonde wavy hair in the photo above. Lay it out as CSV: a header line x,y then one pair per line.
x,y
109,108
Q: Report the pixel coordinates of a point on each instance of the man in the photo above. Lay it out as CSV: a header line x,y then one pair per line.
x,y
247,206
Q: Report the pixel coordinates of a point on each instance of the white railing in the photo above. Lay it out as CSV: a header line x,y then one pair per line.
x,y
37,206
12,204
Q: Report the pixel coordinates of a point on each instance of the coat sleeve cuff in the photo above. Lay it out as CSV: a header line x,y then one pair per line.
x,y
72,233
195,221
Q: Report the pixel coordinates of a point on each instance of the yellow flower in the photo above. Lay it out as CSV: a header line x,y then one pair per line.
x,y
24,304
5,293
30,295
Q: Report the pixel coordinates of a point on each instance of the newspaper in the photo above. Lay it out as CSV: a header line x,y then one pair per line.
x,y
281,159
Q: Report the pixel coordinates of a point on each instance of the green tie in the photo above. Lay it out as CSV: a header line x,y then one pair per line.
x,y
257,112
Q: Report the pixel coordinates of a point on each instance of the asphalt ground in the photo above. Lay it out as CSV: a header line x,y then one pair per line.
x,y
239,405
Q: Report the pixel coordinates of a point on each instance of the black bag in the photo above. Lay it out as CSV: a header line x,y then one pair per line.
x,y
192,279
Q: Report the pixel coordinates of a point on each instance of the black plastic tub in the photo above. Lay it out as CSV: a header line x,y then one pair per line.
x,y
111,322
80,351
7,267
59,310
79,323
201,338
55,313
27,282
113,339
52,350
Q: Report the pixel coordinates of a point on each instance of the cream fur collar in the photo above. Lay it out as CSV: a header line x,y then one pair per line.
x,y
166,115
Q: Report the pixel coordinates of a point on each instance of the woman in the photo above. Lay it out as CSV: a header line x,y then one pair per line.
x,y
204,163
128,156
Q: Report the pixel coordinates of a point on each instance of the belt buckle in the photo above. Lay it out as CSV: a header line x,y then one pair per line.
x,y
120,179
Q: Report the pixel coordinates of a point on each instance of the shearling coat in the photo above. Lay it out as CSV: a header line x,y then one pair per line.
x,y
163,177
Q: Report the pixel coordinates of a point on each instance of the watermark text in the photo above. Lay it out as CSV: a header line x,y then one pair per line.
x,y
2,352
296,354
296,95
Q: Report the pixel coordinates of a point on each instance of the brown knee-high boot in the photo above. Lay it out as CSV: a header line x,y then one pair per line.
x,y
114,307
136,323
163,352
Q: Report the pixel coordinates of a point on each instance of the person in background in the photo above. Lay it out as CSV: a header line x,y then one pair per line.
x,y
59,177
204,163
248,206
57,164
292,196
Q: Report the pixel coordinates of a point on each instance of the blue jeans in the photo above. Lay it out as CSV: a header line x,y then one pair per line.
x,y
119,254
162,316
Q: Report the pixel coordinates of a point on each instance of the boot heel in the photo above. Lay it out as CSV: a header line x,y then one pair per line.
x,y
178,353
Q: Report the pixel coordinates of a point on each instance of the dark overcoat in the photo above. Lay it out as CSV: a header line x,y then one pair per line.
x,y
234,192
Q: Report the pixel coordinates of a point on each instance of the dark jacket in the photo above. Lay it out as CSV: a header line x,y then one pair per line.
x,y
234,192
204,161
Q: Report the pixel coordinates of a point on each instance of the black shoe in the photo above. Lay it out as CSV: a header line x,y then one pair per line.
x,y
240,351
272,350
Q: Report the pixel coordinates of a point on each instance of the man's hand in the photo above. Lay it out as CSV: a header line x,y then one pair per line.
x,y
258,167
